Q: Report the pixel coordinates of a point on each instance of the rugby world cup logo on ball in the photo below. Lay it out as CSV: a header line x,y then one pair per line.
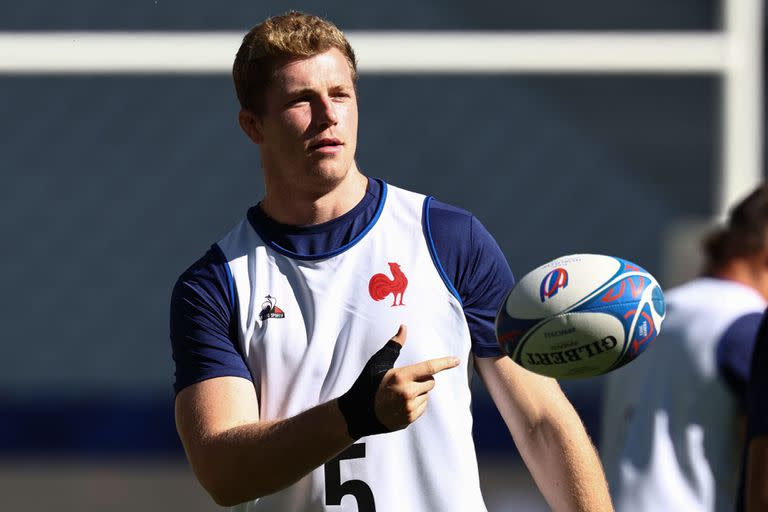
x,y
552,282
580,315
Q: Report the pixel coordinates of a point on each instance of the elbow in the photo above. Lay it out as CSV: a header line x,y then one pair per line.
x,y
554,429
222,499
223,495
231,490
226,488
224,492
225,500
540,432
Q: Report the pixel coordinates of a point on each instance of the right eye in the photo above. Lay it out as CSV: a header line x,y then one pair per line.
x,y
298,101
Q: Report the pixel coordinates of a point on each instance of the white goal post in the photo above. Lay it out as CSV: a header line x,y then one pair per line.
x,y
734,53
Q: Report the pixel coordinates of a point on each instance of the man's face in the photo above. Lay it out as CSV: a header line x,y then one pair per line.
x,y
308,130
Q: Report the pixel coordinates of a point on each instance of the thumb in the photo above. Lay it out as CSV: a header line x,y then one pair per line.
x,y
385,358
402,333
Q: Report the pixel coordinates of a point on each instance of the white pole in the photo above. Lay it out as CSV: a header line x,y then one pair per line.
x,y
742,165
380,52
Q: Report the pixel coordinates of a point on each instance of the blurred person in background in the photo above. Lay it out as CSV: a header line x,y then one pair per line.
x,y
288,397
673,421
754,496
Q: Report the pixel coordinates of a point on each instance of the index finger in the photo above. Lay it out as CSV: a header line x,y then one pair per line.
x,y
430,367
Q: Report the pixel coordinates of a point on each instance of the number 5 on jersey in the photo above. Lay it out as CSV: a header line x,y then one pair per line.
x,y
335,489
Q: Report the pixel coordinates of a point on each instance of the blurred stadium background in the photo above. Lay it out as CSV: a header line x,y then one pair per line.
x,y
113,183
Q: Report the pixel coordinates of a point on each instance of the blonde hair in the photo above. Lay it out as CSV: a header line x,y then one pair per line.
x,y
292,35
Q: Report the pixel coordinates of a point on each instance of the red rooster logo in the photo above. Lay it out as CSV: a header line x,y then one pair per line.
x,y
381,285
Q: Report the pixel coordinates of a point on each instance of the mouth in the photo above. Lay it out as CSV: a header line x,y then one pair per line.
x,y
326,145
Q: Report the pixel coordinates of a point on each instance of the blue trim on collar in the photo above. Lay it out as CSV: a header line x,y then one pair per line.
x,y
433,251
336,252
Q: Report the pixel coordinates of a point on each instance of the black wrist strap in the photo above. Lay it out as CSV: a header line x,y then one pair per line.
x,y
358,404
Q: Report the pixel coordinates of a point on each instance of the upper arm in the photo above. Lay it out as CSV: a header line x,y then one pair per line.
x,y
756,490
523,398
474,264
549,435
757,385
213,406
203,328
208,408
734,352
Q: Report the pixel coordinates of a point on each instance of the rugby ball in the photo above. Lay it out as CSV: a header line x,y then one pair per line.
x,y
580,315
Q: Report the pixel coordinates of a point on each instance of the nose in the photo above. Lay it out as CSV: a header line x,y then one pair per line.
x,y
326,113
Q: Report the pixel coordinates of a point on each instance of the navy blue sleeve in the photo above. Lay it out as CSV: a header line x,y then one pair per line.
x,y
474,264
203,329
734,353
757,385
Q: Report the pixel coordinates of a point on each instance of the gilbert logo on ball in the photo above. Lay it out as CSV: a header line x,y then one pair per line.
x,y
580,315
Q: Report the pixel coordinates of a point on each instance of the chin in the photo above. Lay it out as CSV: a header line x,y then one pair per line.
x,y
330,174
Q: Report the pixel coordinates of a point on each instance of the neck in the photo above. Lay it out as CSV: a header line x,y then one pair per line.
x,y
302,207
740,271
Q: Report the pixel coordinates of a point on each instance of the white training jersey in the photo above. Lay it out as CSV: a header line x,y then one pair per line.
x,y
669,431
308,326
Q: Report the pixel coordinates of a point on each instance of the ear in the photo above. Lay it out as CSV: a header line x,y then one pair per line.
x,y
251,125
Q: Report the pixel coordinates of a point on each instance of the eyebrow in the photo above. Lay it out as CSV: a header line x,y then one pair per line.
x,y
299,92
309,90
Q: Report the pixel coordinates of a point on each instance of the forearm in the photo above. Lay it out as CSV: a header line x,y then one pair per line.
x,y
564,463
256,459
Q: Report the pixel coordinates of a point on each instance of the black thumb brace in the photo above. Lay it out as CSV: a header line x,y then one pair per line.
x,y
358,404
